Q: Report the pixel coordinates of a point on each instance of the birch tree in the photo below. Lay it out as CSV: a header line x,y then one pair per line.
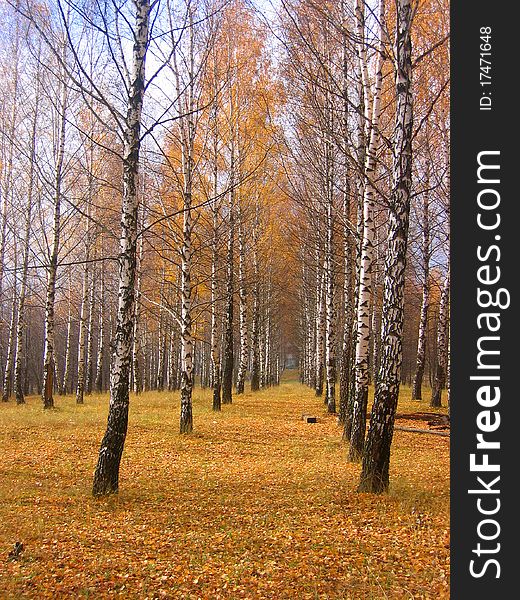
x,y
8,371
8,147
106,476
31,189
439,381
80,388
215,330
255,310
242,297
425,300
376,455
187,126
54,250
65,384
372,116
98,381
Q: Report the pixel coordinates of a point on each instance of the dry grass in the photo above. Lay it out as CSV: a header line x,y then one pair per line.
x,y
255,504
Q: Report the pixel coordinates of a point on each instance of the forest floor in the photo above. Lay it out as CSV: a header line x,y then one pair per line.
x,y
254,504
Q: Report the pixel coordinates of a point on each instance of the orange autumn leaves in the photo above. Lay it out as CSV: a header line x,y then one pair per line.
x,y
257,504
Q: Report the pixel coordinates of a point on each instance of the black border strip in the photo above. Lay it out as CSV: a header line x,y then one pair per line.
x,y
473,131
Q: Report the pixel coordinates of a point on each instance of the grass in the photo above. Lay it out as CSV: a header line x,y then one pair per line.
x,y
255,504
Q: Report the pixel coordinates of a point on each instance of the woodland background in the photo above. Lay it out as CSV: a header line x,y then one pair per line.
x,y
204,205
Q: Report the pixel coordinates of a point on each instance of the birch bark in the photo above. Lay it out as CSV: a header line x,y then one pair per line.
x,y
348,241
320,322
138,370
100,359
376,456
52,268
7,168
89,360
215,352
8,372
442,328
362,377
361,152
242,305
425,302
65,386
106,476
255,312
228,354
330,316
187,131
20,318
80,387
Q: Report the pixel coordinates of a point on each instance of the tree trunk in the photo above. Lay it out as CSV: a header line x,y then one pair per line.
x,y
361,155
187,126
106,476
80,387
255,337
20,323
228,354
439,381
320,322
101,337
7,191
267,342
52,269
215,354
65,385
425,303
89,361
138,371
376,456
186,418
348,308
330,316
242,306
362,377
8,372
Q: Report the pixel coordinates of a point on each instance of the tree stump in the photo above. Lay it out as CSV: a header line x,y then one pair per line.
x,y
309,419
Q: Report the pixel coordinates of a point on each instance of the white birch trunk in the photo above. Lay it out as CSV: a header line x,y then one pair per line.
x,y
7,168
80,387
65,386
186,420
106,477
357,434
255,309
172,383
8,372
330,316
137,369
20,319
89,361
267,351
425,302
442,328
320,326
361,154
188,131
52,269
214,342
376,455
242,306
161,342
228,353
100,359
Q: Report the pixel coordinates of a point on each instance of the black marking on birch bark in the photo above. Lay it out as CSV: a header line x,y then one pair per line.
x,y
376,456
106,476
